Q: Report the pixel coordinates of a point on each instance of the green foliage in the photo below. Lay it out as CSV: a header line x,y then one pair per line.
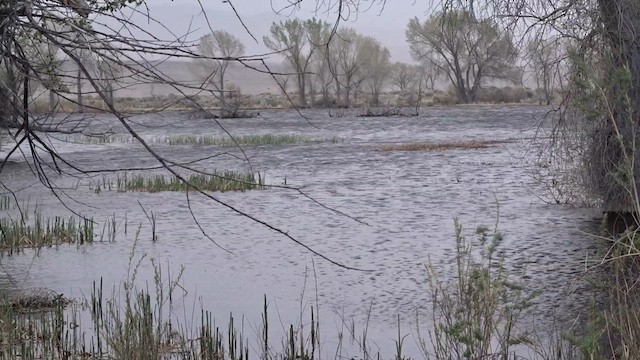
x,y
476,313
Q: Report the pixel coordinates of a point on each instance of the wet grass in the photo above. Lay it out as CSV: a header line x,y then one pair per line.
x,y
99,139
140,323
36,301
264,139
218,181
18,234
207,140
444,146
7,202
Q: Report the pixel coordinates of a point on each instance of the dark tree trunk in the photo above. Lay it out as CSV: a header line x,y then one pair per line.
x,y
52,101
614,178
79,88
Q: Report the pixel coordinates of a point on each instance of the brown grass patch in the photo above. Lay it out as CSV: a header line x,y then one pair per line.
x,y
37,300
443,146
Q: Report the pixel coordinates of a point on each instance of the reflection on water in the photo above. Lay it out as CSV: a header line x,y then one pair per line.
x,y
408,201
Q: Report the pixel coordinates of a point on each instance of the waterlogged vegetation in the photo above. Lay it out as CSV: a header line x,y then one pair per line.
x,y
208,140
476,315
264,139
19,233
444,146
140,323
99,139
215,180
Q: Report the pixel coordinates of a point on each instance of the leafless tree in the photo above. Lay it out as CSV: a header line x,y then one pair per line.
x,y
546,57
377,67
348,61
298,40
220,49
467,49
404,76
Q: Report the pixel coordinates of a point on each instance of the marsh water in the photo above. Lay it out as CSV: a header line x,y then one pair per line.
x,y
401,207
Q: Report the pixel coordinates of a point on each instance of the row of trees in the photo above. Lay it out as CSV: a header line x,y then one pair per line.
x,y
337,65
331,66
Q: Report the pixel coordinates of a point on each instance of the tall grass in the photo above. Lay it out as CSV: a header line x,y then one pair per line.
x,y
264,139
203,140
99,139
476,310
7,202
139,323
17,234
216,181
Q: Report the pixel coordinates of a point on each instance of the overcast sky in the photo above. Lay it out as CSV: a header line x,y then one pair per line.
x,y
388,24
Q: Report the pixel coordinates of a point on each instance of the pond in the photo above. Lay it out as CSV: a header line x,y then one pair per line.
x,y
387,212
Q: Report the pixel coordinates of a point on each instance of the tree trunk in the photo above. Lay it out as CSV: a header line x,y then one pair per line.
x,y
52,101
111,94
108,89
79,88
347,97
301,89
622,75
223,102
312,94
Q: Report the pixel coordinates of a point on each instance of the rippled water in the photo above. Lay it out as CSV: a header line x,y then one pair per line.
x,y
408,201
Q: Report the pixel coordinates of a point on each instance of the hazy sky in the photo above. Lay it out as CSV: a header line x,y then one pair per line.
x,y
387,24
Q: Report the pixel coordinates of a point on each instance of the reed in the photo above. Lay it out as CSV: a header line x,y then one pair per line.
x,y
219,181
17,234
264,139
7,202
99,139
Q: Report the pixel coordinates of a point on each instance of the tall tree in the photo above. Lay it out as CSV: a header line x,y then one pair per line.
x,y
108,72
348,50
217,51
468,50
319,34
404,76
545,57
377,67
297,41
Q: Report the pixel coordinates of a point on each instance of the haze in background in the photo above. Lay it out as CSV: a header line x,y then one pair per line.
x,y
185,20
186,17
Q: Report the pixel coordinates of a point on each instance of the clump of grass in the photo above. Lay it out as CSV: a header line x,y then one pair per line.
x,y
476,314
99,139
264,139
34,334
16,234
7,202
444,146
36,301
217,181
